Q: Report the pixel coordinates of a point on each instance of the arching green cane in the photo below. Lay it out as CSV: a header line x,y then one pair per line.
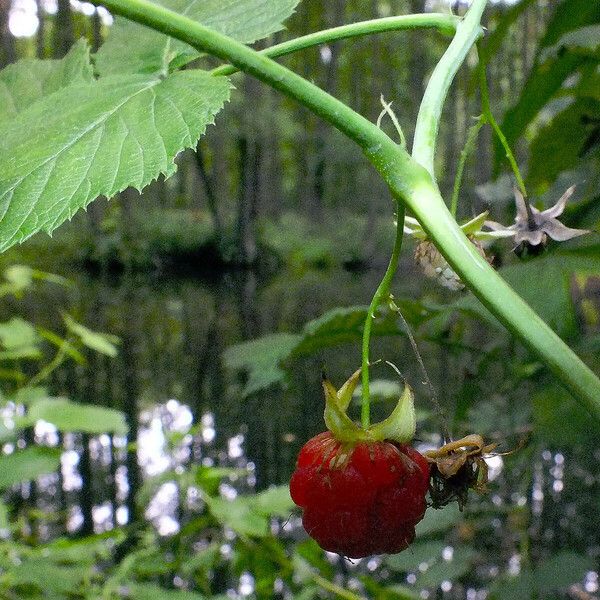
x,y
408,181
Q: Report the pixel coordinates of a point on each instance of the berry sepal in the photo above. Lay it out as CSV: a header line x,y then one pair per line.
x,y
399,427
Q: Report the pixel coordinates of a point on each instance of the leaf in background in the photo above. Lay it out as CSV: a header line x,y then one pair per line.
x,y
569,15
276,502
150,591
48,577
441,570
516,588
109,135
28,464
261,358
545,283
558,146
71,416
547,77
561,570
29,80
554,574
133,48
415,555
19,339
437,522
100,342
238,514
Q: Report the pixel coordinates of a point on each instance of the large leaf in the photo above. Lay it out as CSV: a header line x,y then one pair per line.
x,y
25,82
133,48
548,76
28,464
262,358
107,136
70,416
559,145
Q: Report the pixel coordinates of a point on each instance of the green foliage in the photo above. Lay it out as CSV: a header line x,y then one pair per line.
x,y
133,48
100,342
25,465
263,357
111,134
569,49
71,416
24,83
552,575
546,284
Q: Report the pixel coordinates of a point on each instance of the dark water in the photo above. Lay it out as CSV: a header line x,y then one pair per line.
x,y
184,407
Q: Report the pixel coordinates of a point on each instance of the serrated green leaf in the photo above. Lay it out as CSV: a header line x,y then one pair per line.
x,y
108,135
70,416
133,48
104,343
28,80
28,464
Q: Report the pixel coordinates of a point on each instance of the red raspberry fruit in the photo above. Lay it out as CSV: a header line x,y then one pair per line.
x,y
360,498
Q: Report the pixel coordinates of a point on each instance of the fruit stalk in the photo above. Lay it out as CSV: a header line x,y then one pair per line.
x,y
381,294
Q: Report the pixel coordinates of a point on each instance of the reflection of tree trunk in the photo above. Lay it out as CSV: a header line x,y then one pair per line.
x,y
246,239
96,31
130,397
211,198
40,36
64,35
86,500
7,50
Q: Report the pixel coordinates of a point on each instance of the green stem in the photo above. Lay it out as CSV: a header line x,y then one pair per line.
x,y
407,180
444,23
382,293
464,155
489,117
430,111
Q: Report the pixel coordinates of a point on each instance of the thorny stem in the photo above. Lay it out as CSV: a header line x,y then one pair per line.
x,y
407,180
442,22
381,294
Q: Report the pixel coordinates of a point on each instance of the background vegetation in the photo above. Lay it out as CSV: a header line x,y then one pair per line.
x,y
154,464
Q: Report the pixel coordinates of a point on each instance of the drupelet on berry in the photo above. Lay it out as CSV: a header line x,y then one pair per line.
x,y
360,498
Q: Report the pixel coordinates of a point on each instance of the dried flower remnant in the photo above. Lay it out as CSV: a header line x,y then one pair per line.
x,y
532,227
431,261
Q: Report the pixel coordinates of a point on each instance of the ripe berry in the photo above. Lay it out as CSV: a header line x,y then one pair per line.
x,y
360,498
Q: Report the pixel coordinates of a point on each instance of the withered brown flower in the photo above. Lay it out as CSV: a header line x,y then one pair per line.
x,y
532,227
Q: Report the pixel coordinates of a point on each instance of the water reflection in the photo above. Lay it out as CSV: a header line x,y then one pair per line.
x,y
184,409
